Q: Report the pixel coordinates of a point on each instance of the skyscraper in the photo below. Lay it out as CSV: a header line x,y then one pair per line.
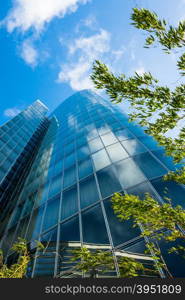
x,y
86,152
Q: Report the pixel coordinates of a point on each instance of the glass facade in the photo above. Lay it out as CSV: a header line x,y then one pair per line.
x,y
88,152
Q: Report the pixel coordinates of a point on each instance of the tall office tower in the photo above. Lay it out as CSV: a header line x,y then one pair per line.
x,y
89,152
19,139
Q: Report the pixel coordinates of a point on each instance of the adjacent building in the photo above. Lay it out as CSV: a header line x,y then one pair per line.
x,y
66,169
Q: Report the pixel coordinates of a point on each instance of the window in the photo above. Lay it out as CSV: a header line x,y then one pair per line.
x,y
109,139
133,147
93,225
69,160
55,186
69,177
170,189
35,223
128,172
116,152
167,160
69,231
137,130
123,134
141,189
51,214
100,159
149,142
121,231
148,164
82,152
85,168
95,145
108,182
69,203
88,192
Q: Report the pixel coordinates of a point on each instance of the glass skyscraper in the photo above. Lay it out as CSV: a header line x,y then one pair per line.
x,y
77,158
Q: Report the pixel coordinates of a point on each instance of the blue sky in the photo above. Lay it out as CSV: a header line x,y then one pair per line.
x,y
48,46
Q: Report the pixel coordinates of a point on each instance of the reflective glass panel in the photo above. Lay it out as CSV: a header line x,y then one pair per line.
x,y
100,159
88,192
116,152
69,203
108,182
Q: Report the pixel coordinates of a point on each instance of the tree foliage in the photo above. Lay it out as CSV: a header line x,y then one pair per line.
x,y
144,93
18,269
99,261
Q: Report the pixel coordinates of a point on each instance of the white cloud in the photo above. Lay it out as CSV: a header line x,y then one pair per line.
x,y
29,53
11,112
87,49
35,14
140,70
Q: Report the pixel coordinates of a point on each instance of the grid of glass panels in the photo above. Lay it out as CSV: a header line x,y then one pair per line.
x,y
90,151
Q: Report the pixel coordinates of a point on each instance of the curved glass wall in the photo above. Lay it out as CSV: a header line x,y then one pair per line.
x,y
90,151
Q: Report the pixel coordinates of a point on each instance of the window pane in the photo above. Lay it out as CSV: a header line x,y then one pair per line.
x,y
82,152
85,168
69,203
100,159
149,142
121,231
137,130
69,160
51,214
123,134
141,189
167,160
108,182
55,186
116,152
69,231
69,177
150,167
94,230
109,139
133,147
170,189
95,145
128,172
88,192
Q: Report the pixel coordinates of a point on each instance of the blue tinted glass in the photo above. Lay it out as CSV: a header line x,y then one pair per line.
x,y
123,134
88,192
69,203
69,148
69,177
133,147
128,173
35,223
95,145
82,152
141,189
85,168
103,129
137,130
121,231
81,141
55,186
109,139
116,152
93,226
100,159
69,160
170,189
150,167
137,247
69,231
167,160
108,182
149,142
51,214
